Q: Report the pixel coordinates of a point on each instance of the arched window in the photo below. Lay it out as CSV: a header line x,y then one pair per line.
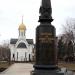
x,y
21,45
21,33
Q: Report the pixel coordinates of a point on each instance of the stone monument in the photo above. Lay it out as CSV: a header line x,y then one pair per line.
x,y
45,39
46,53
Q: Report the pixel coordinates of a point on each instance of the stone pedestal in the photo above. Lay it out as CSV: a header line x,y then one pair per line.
x,y
47,72
45,45
62,71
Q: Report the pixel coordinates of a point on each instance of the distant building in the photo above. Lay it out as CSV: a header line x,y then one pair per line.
x,y
21,49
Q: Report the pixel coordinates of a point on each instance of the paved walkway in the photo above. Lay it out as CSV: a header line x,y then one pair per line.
x,y
18,69
23,69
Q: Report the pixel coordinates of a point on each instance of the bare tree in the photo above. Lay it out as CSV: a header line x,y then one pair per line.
x,y
69,30
5,51
69,33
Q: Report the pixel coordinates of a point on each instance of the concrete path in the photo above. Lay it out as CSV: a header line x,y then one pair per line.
x,y
23,69
18,69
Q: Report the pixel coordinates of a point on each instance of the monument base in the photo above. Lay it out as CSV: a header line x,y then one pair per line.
x,y
49,72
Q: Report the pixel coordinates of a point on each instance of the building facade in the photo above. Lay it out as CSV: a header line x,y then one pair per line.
x,y
21,49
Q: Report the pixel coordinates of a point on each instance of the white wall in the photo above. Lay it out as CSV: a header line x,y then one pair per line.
x,y
21,53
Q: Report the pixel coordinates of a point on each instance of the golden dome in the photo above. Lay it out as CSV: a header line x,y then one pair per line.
x,y
22,27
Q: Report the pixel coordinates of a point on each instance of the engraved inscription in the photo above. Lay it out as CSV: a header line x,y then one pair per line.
x,y
46,38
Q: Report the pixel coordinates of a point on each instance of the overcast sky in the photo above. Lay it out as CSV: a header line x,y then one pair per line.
x,y
11,12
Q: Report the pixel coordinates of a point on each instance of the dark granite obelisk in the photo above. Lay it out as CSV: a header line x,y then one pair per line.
x,y
45,39
46,54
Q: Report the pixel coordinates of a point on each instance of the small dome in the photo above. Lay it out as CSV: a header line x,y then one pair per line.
x,y
22,27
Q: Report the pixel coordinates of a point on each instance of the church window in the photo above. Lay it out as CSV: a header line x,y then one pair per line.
x,y
21,45
21,33
24,32
25,54
17,55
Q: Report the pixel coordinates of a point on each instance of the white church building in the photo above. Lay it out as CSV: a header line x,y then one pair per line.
x,y
21,49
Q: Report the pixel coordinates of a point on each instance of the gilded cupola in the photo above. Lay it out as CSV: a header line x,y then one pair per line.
x,y
22,26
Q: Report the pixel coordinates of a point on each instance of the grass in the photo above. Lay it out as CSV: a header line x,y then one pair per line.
x,y
4,65
69,66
